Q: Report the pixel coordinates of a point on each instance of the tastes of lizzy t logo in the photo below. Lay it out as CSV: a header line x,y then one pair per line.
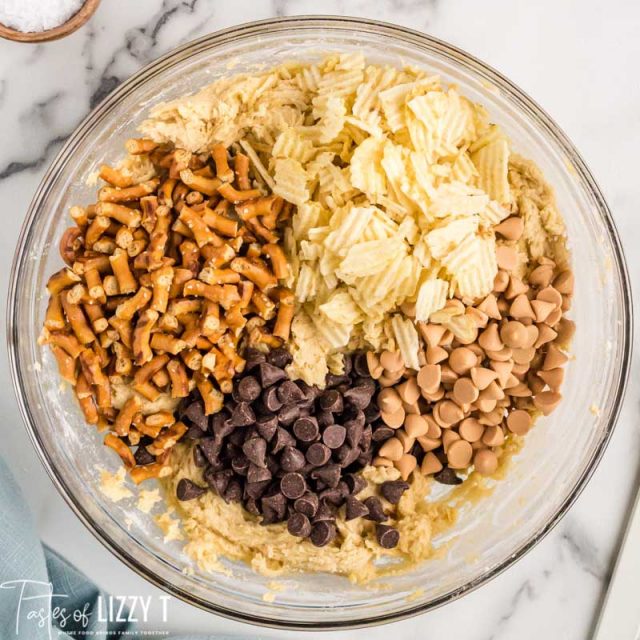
x,y
37,606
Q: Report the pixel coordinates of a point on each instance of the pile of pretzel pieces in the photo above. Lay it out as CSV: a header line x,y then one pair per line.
x,y
165,279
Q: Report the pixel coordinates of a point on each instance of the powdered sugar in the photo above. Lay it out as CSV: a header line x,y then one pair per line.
x,y
37,15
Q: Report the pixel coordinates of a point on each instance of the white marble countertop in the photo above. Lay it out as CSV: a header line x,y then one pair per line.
x,y
577,59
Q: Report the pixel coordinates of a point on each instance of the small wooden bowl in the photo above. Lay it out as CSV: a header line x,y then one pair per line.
x,y
71,25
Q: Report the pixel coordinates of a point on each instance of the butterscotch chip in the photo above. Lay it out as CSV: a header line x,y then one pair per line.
x,y
388,381
482,377
430,464
489,339
406,440
379,461
564,282
449,412
459,454
493,436
392,449
480,318
434,428
429,378
462,359
501,356
406,465
501,282
515,288
536,384
436,355
485,461
521,308
541,276
549,294
523,356
393,419
391,360
429,444
389,400
471,430
433,397
409,391
519,422
492,392
554,317
431,333
511,228
566,329
513,334
532,336
448,438
547,401
547,334
416,425
503,370
542,309
554,358
464,391
553,377
449,376
507,257
490,306
485,404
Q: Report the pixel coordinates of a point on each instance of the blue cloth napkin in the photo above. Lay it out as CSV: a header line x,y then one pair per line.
x,y
42,596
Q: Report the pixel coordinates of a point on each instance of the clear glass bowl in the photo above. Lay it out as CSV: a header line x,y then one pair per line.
x,y
560,453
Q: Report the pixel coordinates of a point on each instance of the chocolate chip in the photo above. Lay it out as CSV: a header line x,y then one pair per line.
x,y
331,401
360,365
299,525
307,504
332,496
279,358
365,439
376,511
270,399
333,380
447,476
281,440
360,396
198,457
354,432
346,455
274,506
289,393
288,414
211,448
266,427
372,412
218,480
334,436
325,512
240,464
392,490
248,389
380,434
306,429
325,418
364,459
291,459
142,456
347,363
233,492
293,485
253,358
254,490
355,508
329,474
243,415
255,449
322,533
257,474
318,454
356,483
194,413
251,505
269,374
188,490
194,433
387,536
221,425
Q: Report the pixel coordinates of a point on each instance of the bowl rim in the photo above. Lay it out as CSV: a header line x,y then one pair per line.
x,y
383,29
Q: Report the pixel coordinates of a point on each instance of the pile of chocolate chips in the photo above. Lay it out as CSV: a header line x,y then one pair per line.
x,y
291,452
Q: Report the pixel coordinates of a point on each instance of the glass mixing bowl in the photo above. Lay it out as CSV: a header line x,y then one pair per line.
x,y
545,478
